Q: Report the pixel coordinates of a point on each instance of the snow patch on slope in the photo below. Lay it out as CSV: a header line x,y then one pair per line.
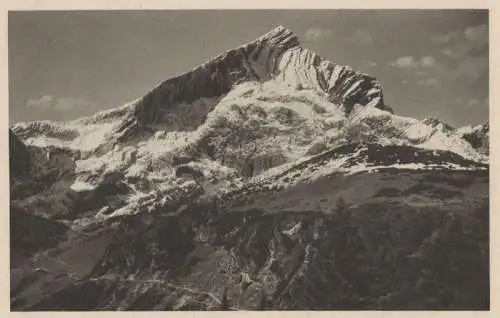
x,y
263,107
82,134
394,129
79,186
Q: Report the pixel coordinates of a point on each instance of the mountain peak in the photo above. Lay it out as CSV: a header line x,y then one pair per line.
x,y
279,36
280,29
274,56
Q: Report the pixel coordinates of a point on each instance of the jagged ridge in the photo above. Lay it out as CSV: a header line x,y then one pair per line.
x,y
234,183
276,54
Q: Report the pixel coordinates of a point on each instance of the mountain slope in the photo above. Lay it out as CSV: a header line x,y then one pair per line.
x,y
477,136
233,174
391,248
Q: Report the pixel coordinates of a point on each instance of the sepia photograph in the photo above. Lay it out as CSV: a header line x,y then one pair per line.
x,y
249,160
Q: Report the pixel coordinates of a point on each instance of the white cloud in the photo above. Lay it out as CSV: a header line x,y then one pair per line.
x,y
361,37
441,38
447,37
425,71
467,50
429,82
44,102
473,102
405,62
477,35
409,62
448,52
317,34
428,61
61,104
472,68
462,43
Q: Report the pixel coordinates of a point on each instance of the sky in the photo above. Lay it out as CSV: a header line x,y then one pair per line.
x,y
68,64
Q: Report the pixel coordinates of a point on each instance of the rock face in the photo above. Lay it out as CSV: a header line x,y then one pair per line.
x,y
275,55
478,137
19,158
258,180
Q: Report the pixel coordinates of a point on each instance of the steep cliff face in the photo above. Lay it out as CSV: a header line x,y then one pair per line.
x,y
477,137
276,56
19,158
30,174
271,84
249,114
227,181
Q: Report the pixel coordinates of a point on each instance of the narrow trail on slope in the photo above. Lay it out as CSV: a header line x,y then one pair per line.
x,y
160,282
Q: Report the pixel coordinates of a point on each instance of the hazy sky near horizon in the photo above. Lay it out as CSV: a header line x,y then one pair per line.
x,y
68,64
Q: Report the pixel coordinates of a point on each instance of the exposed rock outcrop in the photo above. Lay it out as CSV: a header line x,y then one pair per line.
x,y
268,169
276,55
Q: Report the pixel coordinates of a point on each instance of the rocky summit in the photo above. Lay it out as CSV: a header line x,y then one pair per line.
x,y
267,178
